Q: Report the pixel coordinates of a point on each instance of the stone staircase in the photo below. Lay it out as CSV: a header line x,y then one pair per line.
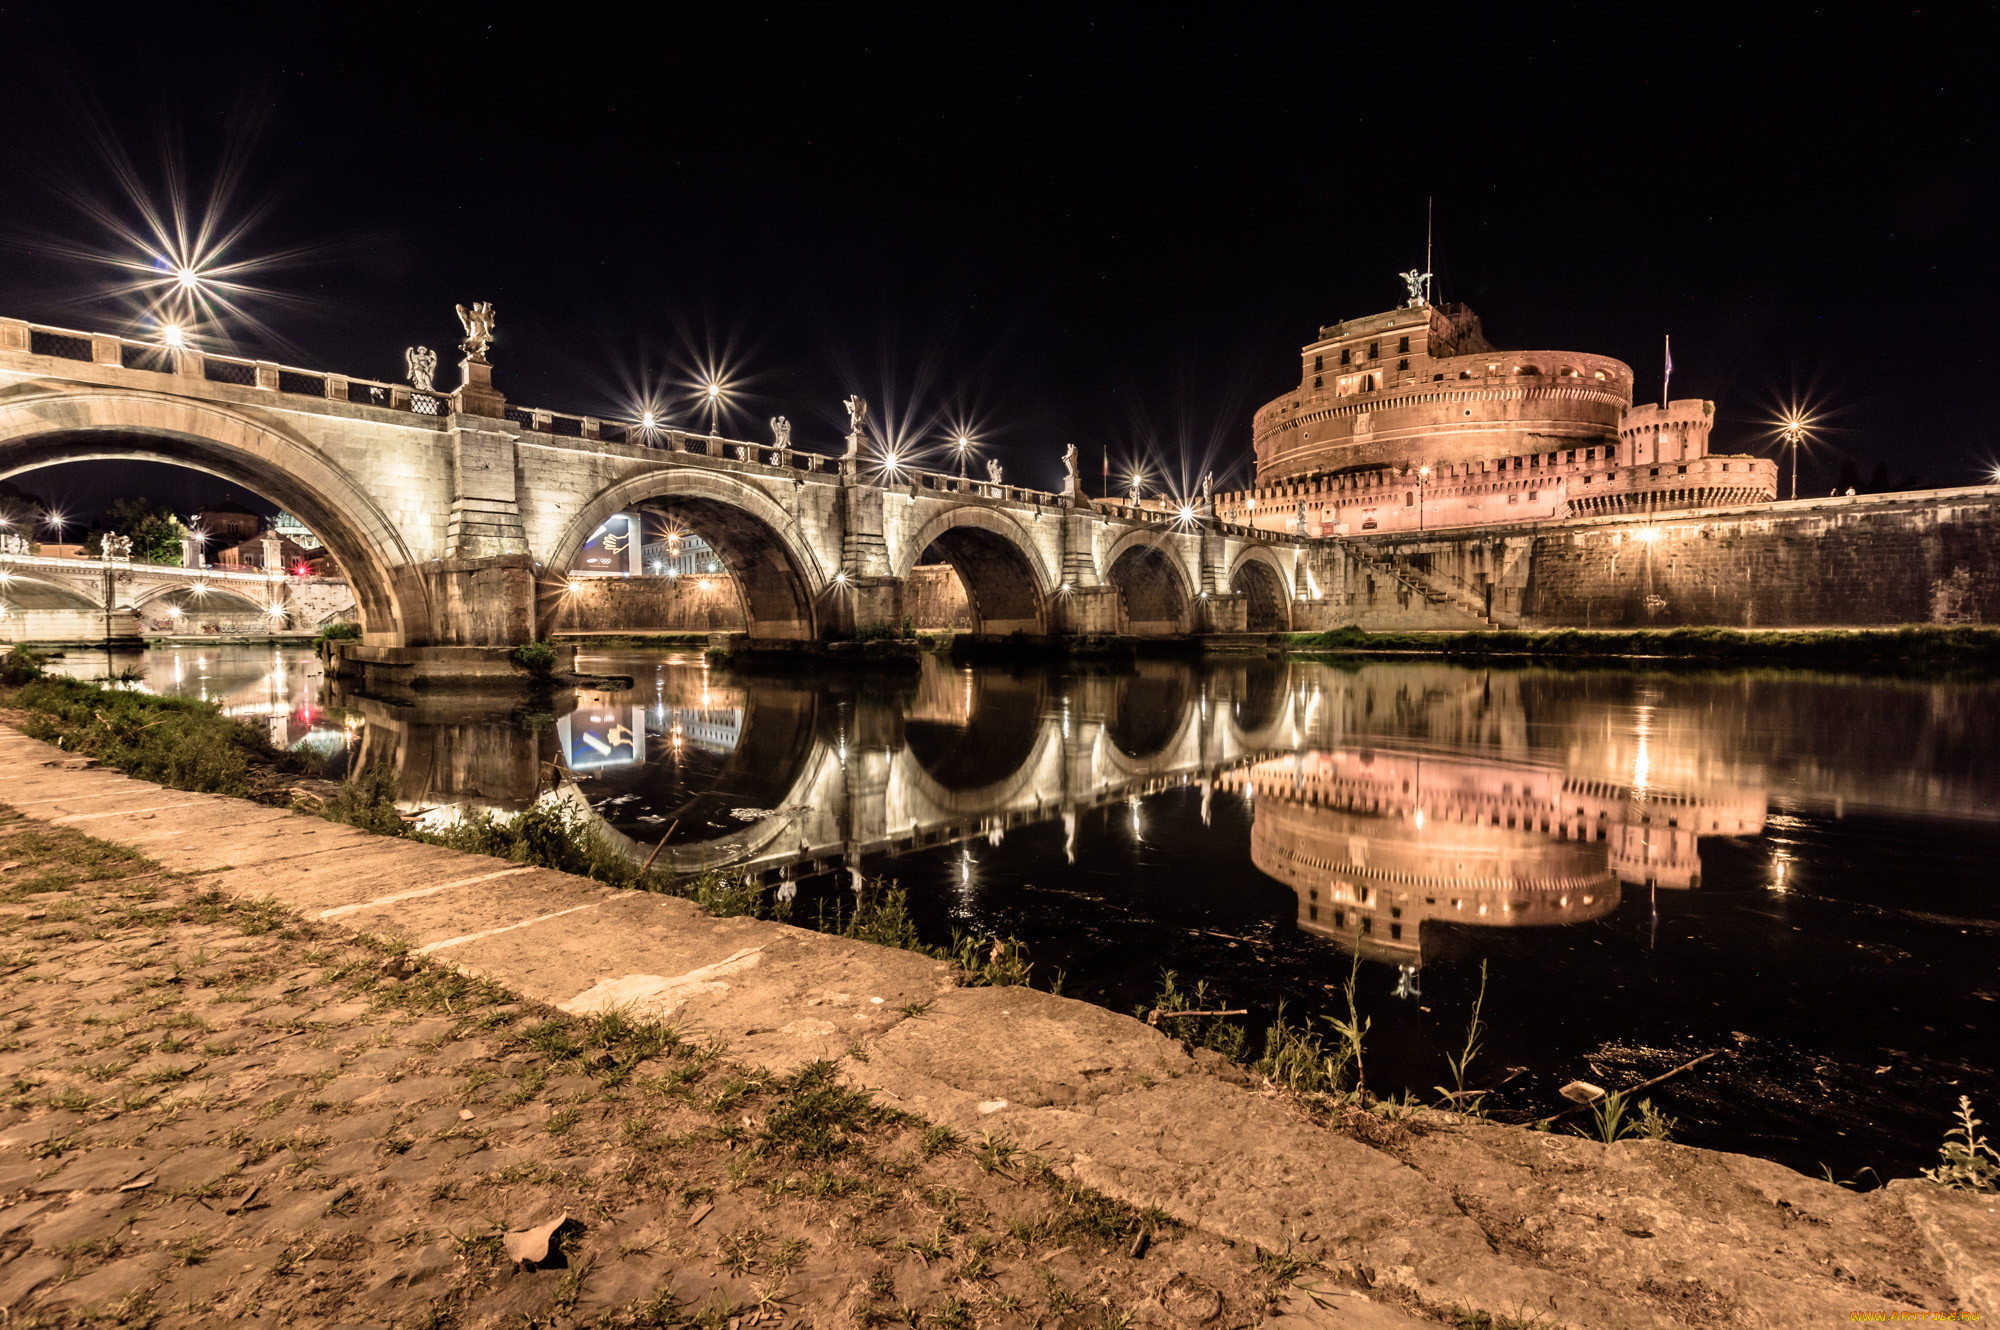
x,y
1433,589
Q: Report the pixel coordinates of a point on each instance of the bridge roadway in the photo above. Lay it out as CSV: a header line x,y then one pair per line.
x,y
457,516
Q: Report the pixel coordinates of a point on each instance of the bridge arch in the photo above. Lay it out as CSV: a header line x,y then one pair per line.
x,y
1261,575
1149,570
1005,584
34,593
46,427
212,597
775,571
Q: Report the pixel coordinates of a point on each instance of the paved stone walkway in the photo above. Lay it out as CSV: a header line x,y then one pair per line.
x,y
218,1112
1439,1212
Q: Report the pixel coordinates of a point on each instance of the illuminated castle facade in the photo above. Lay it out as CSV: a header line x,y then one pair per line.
x,y
1411,420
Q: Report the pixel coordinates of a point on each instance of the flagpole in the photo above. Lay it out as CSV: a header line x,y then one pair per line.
x,y
1667,377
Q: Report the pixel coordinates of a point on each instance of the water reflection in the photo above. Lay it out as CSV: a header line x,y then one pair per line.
x,y
1378,842
277,689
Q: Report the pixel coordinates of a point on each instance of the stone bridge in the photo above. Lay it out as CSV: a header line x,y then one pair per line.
x,y
49,599
457,517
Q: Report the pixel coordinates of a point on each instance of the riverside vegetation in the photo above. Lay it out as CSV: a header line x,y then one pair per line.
x,y
1956,645
190,745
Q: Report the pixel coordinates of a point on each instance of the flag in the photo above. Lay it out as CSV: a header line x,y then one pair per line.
x,y
1668,377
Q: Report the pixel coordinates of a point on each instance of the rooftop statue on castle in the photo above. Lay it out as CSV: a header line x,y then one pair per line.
x,y
857,423
422,362
1419,286
478,325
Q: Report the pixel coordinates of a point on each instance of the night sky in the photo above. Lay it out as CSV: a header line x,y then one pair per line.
x,y
1083,225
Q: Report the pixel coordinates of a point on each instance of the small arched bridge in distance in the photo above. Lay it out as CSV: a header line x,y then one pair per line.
x,y
457,516
58,599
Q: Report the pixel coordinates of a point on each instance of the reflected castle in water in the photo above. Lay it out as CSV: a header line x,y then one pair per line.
x,y
1376,843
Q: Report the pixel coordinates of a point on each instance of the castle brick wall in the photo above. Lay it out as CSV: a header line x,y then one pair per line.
x,y
650,605
934,597
1870,561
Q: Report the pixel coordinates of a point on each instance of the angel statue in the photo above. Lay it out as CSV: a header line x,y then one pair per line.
x,y
478,325
857,423
1072,483
422,363
1419,286
992,471
1208,490
781,432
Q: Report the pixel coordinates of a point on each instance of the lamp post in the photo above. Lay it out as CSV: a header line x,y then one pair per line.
x,y
1423,473
960,446
1793,429
714,393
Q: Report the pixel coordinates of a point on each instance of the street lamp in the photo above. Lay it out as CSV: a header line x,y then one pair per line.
x,y
1793,427
961,446
1423,473
714,393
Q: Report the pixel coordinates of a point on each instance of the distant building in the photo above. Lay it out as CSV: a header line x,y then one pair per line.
x,y
227,523
681,554
292,529
1411,420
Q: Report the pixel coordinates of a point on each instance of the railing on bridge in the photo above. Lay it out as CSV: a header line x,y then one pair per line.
x,y
157,357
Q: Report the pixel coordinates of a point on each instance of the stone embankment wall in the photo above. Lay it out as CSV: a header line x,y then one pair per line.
x,y
650,605
933,597
1928,557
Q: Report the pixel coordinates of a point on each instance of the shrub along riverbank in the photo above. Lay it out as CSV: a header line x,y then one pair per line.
x,y
1959,645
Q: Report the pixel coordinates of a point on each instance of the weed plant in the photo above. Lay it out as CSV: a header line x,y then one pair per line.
x,y
1966,1162
1458,1062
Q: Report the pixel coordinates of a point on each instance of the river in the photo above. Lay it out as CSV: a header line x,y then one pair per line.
x,y
1793,868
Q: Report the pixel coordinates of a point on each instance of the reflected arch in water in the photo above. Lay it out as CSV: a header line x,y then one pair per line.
x,y
997,562
1154,594
46,427
1261,578
778,578
974,734
1149,709
1255,696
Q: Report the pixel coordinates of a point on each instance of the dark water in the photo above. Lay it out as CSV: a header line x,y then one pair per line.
x,y
1793,868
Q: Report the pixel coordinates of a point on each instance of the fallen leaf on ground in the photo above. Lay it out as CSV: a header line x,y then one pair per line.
x,y
530,1246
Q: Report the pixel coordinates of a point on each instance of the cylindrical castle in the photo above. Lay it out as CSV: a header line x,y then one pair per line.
x,y
1422,384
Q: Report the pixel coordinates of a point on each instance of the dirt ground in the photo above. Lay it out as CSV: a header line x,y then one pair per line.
x,y
217,1112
